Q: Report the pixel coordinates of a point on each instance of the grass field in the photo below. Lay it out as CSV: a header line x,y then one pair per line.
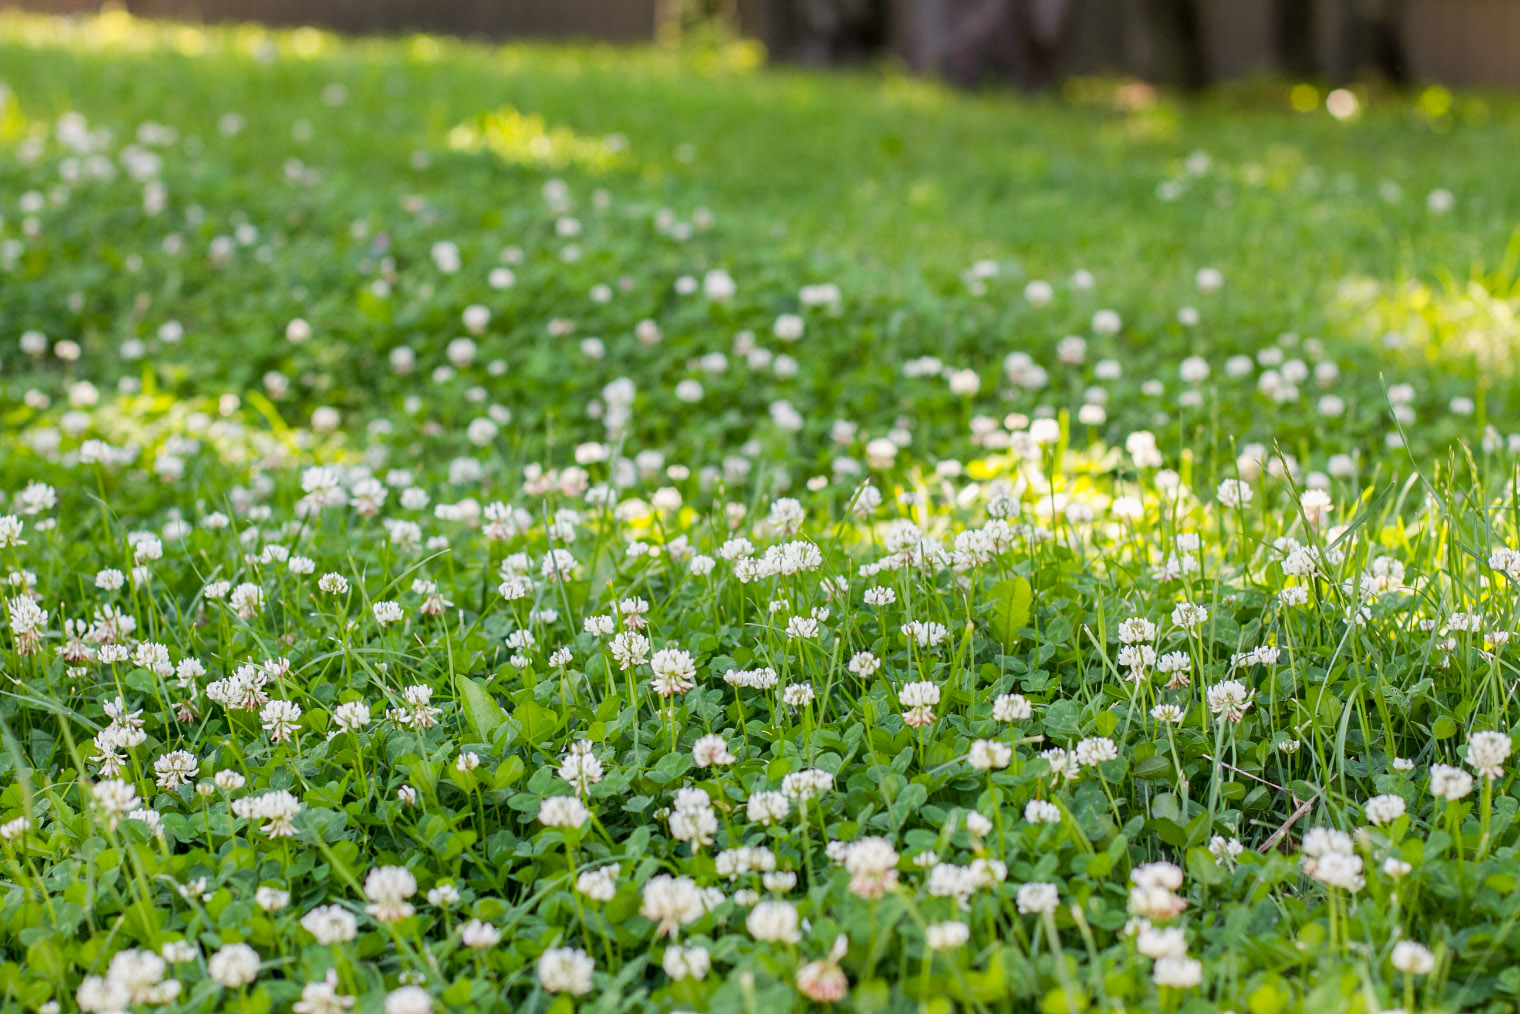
x,y
540,529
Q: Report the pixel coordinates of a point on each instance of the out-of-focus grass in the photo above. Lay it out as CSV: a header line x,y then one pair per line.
x,y
896,168
894,185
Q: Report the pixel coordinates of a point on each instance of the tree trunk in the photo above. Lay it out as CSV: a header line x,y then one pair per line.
x,y
1047,38
1177,34
1293,38
1372,38
1389,57
1024,41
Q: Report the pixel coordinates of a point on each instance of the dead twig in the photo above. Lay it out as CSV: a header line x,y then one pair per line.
x,y
1300,807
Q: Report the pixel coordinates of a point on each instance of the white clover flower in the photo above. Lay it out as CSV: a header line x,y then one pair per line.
x,y
1224,849
671,902
1037,898
1449,783
271,899
279,718
417,711
1230,699
629,649
478,935
864,664
767,807
247,600
774,922
176,768
351,716
1234,493
1155,942
10,531
1189,616
1137,630
925,635
599,884
388,888
946,936
692,819
1096,750
333,584
872,865
686,962
1293,595
234,966
805,784
1177,972
1329,859
408,999
387,613
1384,809
986,755
1157,874
1038,811
1063,765
179,952
1412,958
563,811
674,671
330,924
1487,752
1171,714
321,996
802,628
797,695
566,970
115,799
1106,322
710,751
444,895
1011,708
101,995
918,694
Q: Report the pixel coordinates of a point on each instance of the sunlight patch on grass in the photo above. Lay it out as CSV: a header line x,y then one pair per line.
x,y
1471,325
528,140
13,122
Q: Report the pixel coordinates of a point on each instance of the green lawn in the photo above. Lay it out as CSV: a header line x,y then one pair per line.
x,y
542,528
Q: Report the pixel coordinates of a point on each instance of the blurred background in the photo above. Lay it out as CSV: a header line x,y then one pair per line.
x,y
1031,43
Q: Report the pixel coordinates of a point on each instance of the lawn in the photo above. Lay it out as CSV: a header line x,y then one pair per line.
x,y
544,529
